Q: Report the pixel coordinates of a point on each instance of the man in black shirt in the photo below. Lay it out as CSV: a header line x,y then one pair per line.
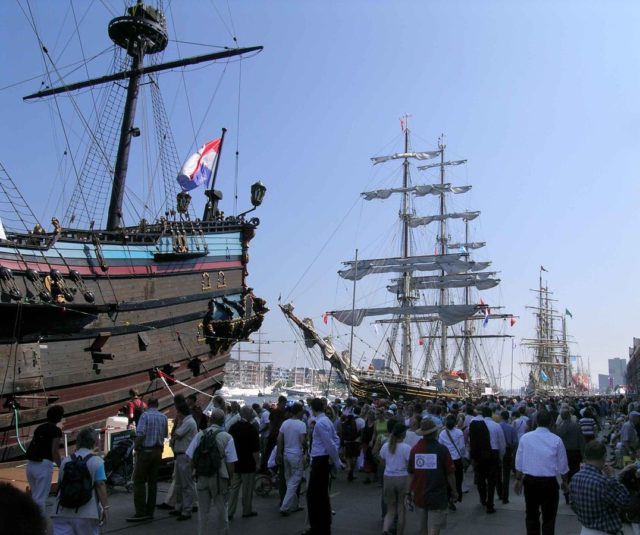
x,y
247,442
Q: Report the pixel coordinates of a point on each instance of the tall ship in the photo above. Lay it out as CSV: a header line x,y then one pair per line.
x,y
102,302
436,325
552,368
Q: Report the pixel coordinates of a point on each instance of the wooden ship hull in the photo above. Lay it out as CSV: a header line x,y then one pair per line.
x,y
86,316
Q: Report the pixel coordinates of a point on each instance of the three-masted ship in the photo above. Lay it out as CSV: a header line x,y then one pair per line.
x,y
552,371
88,312
441,309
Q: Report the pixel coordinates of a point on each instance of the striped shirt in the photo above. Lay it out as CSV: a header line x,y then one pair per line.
x,y
153,427
588,426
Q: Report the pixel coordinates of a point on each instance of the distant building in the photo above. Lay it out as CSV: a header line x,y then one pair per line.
x,y
603,383
248,373
618,371
633,368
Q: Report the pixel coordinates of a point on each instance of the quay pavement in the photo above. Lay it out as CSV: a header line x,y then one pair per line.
x,y
357,509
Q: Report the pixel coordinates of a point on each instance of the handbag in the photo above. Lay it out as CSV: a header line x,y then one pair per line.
x,y
465,461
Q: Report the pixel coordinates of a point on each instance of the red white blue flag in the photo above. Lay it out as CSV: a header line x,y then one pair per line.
x,y
198,169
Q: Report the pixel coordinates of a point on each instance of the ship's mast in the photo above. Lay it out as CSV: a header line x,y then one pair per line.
x,y
466,358
444,296
141,32
406,363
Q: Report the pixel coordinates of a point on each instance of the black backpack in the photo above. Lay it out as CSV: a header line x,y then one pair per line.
x,y
207,458
76,485
349,430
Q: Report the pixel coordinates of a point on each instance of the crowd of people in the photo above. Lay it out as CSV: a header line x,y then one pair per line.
x,y
417,451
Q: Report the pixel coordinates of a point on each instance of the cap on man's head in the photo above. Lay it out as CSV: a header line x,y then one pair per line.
x,y
634,413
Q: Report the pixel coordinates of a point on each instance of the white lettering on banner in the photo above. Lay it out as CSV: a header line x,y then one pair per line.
x,y
426,461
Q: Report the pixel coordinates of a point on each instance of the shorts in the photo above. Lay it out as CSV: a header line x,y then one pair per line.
x,y
432,519
394,489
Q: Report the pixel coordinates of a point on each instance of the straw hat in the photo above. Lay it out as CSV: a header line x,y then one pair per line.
x,y
427,427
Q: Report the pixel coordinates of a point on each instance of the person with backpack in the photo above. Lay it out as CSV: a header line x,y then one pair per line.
x,y
43,451
213,454
82,502
350,438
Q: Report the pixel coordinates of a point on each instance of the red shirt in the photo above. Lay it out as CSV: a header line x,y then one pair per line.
x,y
420,481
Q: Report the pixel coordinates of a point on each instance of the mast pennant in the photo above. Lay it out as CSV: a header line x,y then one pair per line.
x,y
427,155
418,191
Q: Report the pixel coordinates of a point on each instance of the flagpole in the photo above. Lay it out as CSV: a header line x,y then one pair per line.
x,y
211,194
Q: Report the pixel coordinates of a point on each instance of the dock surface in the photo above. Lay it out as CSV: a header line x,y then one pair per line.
x,y
357,508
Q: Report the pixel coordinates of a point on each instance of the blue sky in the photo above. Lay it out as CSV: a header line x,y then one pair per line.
x,y
540,97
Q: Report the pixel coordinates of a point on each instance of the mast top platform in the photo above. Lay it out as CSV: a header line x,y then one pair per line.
x,y
142,31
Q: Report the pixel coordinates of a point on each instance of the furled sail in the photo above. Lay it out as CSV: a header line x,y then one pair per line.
x,y
426,155
450,263
482,281
449,314
418,191
414,222
467,245
452,162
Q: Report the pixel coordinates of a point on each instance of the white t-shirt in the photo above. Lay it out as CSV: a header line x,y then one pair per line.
x,y
395,464
411,438
359,423
291,430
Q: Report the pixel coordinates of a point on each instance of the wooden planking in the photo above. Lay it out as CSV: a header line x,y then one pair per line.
x,y
97,416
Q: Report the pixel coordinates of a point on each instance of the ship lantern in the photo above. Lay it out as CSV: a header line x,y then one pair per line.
x,y
183,201
258,191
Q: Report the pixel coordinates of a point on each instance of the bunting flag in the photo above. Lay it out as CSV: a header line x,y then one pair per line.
x,y
198,169
512,321
486,313
542,269
567,313
325,318
544,376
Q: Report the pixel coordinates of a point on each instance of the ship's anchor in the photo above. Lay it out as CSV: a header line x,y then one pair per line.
x,y
8,284
39,287
81,286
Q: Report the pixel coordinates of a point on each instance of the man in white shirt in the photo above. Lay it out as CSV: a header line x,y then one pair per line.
x,y
292,448
324,447
215,488
540,459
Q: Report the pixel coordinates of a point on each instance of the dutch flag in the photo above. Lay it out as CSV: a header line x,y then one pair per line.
x,y
198,169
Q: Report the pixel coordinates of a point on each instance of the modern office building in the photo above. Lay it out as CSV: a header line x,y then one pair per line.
x,y
618,371
603,383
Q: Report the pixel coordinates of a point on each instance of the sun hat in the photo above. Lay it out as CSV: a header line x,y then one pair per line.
x,y
427,427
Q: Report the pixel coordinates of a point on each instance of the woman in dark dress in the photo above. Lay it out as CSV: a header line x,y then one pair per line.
x,y
368,440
